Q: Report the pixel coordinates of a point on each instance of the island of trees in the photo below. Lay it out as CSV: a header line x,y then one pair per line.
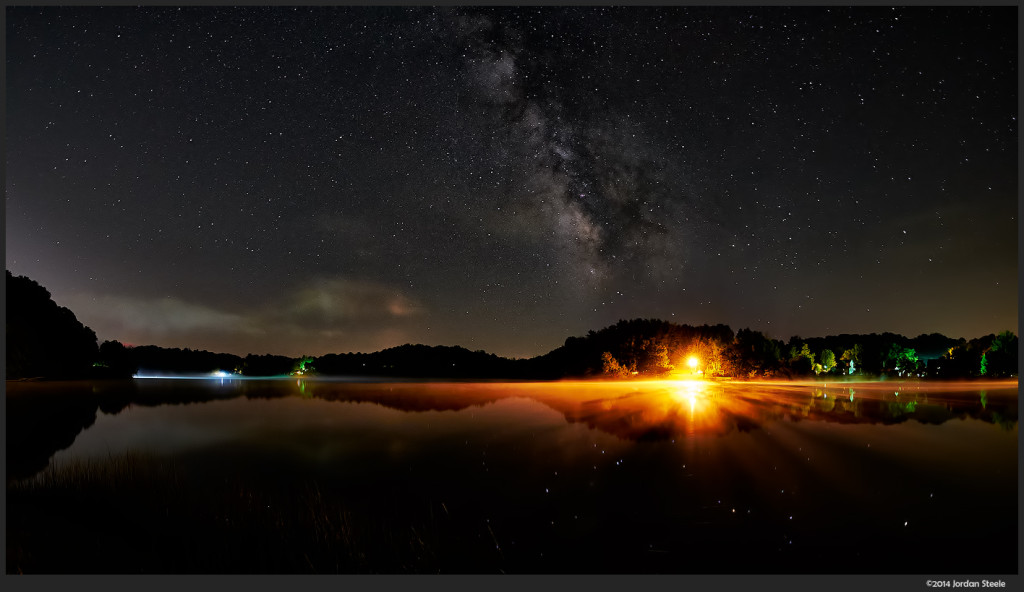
x,y
46,340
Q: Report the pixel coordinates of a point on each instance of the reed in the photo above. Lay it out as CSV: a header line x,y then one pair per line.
x,y
136,514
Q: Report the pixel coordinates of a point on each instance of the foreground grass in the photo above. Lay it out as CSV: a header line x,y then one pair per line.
x,y
137,515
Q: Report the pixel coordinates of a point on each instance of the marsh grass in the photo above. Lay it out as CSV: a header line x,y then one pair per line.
x,y
133,514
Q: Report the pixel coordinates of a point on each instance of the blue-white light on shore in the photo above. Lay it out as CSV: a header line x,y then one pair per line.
x,y
217,375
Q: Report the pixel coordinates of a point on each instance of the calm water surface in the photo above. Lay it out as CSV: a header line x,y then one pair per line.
x,y
676,477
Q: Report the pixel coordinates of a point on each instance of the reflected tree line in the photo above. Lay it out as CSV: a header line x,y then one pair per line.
x,y
45,417
46,340
652,416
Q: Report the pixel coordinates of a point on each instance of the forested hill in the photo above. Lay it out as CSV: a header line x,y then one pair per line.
x,y
639,348
46,340
43,339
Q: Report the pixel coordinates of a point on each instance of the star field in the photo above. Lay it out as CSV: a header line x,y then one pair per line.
x,y
314,180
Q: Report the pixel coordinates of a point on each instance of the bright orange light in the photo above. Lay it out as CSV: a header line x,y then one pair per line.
x,y
692,362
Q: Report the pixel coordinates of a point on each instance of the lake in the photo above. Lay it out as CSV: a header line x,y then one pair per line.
x,y
681,477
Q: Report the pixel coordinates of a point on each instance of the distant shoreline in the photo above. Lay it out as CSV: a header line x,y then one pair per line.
x,y
972,381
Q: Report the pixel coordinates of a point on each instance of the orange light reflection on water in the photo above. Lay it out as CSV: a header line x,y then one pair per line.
x,y
697,407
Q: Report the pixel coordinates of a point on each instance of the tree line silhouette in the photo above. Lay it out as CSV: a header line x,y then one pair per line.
x,y
44,339
47,340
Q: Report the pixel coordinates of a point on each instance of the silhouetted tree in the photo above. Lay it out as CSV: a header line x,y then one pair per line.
x,y
117,359
43,339
752,355
155,359
931,346
267,365
801,360
963,360
1000,359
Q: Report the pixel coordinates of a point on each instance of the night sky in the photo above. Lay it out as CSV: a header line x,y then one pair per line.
x,y
314,180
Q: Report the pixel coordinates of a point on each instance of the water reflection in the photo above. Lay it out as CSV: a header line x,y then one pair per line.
x,y
693,408
44,418
571,477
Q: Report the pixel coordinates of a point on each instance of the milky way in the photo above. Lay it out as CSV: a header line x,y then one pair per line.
x,y
313,180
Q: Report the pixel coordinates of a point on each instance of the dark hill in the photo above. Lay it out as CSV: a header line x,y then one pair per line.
x,y
420,361
46,340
